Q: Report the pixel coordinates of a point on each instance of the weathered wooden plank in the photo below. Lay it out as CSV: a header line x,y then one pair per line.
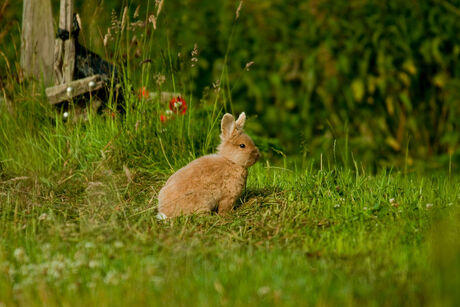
x,y
37,40
58,59
64,50
69,90
69,45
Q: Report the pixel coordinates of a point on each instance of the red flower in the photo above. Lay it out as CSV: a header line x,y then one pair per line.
x,y
143,93
178,105
163,118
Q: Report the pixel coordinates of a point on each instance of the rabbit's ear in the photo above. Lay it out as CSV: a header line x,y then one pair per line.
x,y
240,121
227,125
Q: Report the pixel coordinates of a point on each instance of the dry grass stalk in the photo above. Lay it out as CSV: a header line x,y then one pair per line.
x,y
153,20
237,13
159,7
123,19
136,12
248,65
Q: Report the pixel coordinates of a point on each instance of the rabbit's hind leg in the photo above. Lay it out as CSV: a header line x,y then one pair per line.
x,y
225,205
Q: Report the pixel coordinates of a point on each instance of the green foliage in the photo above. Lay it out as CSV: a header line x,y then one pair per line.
x,y
381,79
385,75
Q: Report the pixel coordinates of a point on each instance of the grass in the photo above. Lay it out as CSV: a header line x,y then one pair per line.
x,y
78,207
308,237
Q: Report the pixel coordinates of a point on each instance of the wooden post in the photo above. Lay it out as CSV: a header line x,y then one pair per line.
x,y
64,50
37,40
64,62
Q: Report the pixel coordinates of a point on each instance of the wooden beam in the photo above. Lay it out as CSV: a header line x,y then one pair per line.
x,y
69,90
64,50
37,40
69,45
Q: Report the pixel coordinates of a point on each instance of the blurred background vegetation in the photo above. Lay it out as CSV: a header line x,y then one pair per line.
x,y
376,81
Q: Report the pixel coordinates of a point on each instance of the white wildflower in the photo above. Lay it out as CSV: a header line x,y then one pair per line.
x,y
89,245
263,291
72,287
111,278
44,217
20,255
46,247
118,244
92,285
94,264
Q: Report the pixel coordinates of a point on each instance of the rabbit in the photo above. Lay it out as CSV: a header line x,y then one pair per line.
x,y
214,181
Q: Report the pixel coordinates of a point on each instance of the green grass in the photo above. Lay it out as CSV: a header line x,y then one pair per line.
x,y
308,237
78,227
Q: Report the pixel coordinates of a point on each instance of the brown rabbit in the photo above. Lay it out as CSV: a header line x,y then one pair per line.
x,y
213,181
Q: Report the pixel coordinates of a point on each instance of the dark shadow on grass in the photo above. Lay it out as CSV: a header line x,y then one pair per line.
x,y
259,193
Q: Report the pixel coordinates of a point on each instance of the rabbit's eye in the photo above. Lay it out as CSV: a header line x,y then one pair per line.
x,y
242,146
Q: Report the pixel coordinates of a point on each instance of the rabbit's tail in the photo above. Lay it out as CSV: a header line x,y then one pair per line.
x,y
161,216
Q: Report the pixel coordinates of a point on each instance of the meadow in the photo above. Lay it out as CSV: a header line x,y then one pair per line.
x,y
297,238
336,212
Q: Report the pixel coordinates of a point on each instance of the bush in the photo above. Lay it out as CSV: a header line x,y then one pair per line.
x,y
378,79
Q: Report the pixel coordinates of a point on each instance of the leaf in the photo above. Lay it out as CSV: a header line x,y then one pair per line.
x,y
409,66
357,87
376,207
404,78
441,79
390,105
393,143
406,101
371,84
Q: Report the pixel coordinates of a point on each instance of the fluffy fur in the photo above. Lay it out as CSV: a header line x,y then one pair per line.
x,y
214,181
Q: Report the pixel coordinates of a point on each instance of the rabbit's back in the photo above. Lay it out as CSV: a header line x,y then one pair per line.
x,y
200,185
